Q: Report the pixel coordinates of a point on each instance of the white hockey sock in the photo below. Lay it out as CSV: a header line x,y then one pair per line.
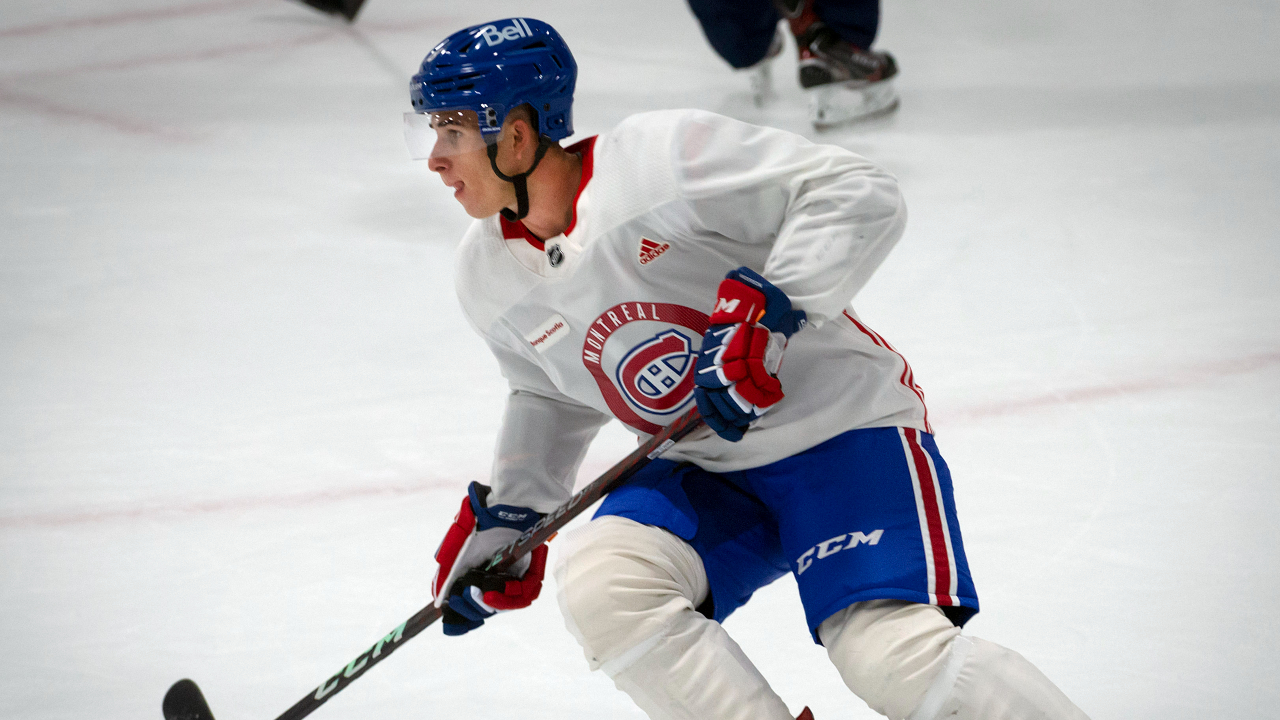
x,y
908,662
985,681
695,671
628,593
888,651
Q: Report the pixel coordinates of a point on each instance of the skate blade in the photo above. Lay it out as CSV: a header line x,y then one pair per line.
x,y
761,79
836,104
760,75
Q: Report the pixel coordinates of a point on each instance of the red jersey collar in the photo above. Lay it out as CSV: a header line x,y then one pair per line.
x,y
516,230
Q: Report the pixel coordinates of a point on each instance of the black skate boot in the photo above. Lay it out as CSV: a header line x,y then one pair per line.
x,y
846,83
825,58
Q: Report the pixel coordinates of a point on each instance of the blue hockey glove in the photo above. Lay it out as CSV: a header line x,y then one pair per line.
x,y
469,595
737,378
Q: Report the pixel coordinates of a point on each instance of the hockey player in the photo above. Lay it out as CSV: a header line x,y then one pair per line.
x,y
846,80
673,261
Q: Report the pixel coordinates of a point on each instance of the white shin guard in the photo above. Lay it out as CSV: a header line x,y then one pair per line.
x,y
628,593
908,662
985,681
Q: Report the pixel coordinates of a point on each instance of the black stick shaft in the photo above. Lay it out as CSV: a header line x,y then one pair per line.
x,y
533,537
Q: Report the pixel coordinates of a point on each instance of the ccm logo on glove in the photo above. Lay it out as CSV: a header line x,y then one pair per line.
x,y
468,594
737,377
725,305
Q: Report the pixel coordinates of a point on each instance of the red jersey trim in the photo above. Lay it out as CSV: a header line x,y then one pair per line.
x,y
587,147
516,230
907,379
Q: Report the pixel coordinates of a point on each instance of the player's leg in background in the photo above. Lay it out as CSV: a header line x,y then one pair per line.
x,y
746,34
629,594
847,80
740,31
907,661
857,22
834,40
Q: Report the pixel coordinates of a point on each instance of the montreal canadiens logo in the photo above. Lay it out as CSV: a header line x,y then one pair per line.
x,y
656,375
642,356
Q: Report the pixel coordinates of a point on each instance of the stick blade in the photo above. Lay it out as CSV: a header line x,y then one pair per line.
x,y
184,701
345,8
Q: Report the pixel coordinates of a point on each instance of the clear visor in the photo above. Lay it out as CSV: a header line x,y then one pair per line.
x,y
442,133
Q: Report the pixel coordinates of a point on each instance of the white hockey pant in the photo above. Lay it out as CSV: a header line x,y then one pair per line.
x,y
628,593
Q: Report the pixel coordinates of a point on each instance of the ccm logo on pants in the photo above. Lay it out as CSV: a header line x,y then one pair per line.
x,y
827,548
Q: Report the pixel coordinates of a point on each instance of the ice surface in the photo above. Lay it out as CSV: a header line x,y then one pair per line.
x,y
238,403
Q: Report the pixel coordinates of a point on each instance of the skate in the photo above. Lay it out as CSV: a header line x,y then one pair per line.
x,y
845,83
837,104
760,75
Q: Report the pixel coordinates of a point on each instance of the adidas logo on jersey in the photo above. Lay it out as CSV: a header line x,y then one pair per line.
x,y
517,29
651,249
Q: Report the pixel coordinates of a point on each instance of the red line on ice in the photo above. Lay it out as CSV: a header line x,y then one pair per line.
x,y
177,58
326,33
211,507
133,126
1172,381
129,126
124,18
1192,376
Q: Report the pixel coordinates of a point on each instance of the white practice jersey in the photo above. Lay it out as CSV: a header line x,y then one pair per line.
x,y
605,321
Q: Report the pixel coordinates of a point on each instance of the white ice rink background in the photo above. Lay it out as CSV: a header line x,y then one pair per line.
x,y
239,405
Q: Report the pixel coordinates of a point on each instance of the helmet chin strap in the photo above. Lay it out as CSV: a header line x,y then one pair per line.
x,y
519,181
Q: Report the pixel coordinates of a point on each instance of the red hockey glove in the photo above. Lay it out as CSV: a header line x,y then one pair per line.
x,y
737,378
478,595
469,595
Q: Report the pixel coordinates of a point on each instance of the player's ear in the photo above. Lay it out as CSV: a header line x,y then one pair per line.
x,y
526,138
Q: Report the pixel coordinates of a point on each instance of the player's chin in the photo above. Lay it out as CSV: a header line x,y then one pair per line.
x,y
475,207
481,214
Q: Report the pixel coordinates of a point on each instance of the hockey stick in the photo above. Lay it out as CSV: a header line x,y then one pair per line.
x,y
345,8
184,700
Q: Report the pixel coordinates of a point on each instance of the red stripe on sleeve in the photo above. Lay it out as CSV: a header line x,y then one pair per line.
x,y
907,378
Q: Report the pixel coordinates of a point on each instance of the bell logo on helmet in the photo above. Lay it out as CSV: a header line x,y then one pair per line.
x,y
517,29
500,64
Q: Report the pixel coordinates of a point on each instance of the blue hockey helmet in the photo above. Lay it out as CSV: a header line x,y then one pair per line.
x,y
495,67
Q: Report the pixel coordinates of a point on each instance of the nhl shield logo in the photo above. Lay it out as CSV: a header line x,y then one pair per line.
x,y
656,376
555,255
